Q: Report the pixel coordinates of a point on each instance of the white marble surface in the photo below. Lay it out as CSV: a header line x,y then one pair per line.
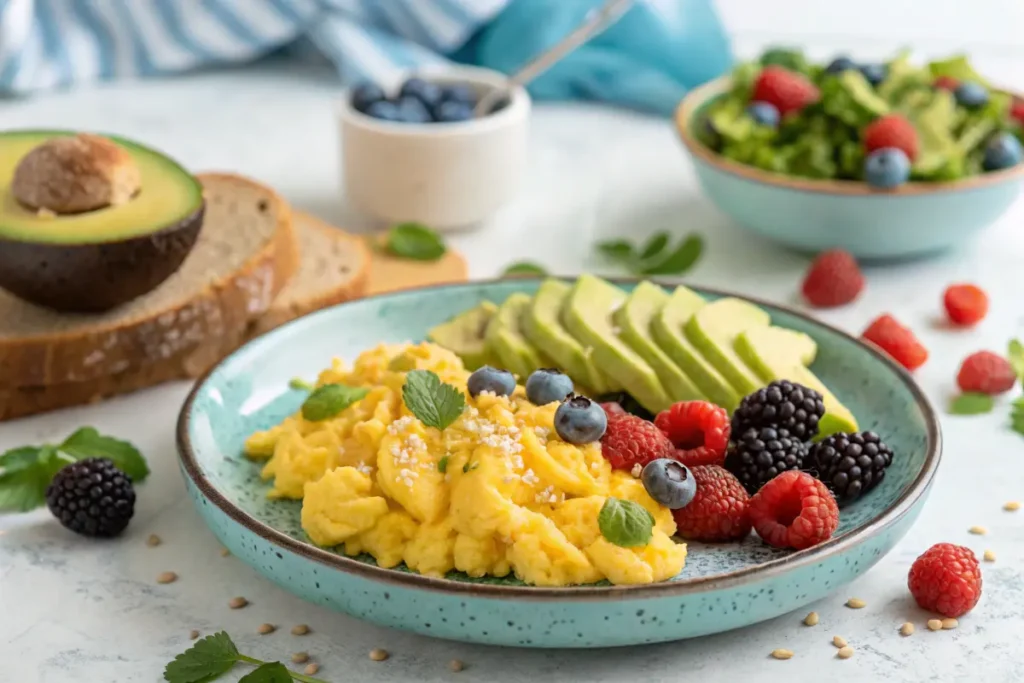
x,y
76,610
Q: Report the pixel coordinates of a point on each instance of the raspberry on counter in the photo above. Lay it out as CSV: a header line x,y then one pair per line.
x,y
946,579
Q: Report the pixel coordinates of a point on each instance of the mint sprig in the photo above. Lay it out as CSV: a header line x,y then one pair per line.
x,y
523,269
625,523
414,241
656,256
213,656
433,402
1015,354
327,401
971,403
26,471
1017,416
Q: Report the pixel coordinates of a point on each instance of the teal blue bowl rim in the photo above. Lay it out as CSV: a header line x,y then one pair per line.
x,y
800,558
695,101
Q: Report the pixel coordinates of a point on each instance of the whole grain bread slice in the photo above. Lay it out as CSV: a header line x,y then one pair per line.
x,y
333,268
245,255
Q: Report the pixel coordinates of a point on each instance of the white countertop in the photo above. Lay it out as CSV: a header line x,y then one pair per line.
x,y
80,610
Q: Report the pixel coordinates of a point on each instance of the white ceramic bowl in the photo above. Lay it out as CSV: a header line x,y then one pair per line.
x,y
446,175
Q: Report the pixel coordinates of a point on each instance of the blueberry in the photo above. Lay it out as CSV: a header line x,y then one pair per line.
x,y
547,385
971,95
451,111
459,93
579,420
669,482
874,73
365,94
764,113
839,65
412,110
1002,151
428,93
384,110
500,382
887,167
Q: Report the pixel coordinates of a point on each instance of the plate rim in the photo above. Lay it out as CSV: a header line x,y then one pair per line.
x,y
411,580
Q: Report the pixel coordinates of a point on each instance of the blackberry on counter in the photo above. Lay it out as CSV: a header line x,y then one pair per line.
x,y
783,404
850,465
92,497
759,455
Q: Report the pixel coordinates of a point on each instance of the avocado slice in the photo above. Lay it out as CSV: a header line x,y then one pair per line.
x,y
542,325
588,317
714,328
506,341
464,335
776,353
667,328
634,322
98,259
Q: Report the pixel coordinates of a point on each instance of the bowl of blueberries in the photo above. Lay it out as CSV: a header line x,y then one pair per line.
x,y
417,151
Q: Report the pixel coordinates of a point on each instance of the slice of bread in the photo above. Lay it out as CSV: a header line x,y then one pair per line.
x,y
245,255
334,268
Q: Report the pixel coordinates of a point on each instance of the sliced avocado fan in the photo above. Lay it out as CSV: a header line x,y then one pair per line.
x,y
588,317
505,338
667,328
713,329
777,353
464,335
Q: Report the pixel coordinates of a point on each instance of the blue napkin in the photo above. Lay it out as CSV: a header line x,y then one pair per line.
x,y
648,60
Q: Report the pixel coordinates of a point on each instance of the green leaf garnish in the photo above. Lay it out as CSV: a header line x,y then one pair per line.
x,y
442,464
625,523
680,260
434,403
655,257
207,659
654,246
299,384
469,467
971,403
415,241
327,401
271,672
1017,416
523,268
89,443
616,250
1015,355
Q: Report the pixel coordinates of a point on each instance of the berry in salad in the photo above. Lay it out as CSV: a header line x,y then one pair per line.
x,y
1002,151
887,168
971,95
764,113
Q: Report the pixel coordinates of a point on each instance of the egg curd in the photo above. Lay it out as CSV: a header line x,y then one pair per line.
x,y
494,493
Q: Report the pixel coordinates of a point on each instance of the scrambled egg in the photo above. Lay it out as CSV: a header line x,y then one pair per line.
x,y
496,492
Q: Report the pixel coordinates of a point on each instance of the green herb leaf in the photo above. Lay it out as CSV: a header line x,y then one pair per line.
x,y
442,464
89,443
435,404
271,672
625,523
654,246
617,250
415,241
679,261
18,459
327,401
971,403
23,486
524,268
299,384
205,660
1017,416
1016,358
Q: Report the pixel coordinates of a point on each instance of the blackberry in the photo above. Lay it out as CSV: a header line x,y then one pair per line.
x,y
92,497
850,465
759,455
783,404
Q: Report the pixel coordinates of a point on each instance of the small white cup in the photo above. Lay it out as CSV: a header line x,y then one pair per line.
x,y
447,175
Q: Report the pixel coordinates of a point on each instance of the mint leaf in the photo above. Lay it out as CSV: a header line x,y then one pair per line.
x,y
415,241
18,459
1017,416
89,443
654,246
625,523
299,384
24,488
524,268
271,672
327,401
1015,355
442,464
205,660
679,261
616,250
971,403
435,404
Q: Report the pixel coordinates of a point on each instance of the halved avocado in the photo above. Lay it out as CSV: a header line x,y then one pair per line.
x,y
96,260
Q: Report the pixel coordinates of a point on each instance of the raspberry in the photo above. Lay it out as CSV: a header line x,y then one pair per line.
x,y
946,83
1017,111
719,510
897,341
946,579
700,430
834,279
613,408
892,131
965,304
630,440
787,90
986,373
794,510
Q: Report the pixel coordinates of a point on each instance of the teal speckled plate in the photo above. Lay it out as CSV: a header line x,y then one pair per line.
x,y
722,587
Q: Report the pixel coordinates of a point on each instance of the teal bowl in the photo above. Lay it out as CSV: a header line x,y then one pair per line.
x,y
917,219
722,587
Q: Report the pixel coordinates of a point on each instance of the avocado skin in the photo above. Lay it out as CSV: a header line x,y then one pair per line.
x,y
93,278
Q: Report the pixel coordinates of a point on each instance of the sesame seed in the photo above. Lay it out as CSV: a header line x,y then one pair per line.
x,y
300,630
781,653
378,655
300,657
989,556
1012,506
456,665
949,623
265,629
237,603
845,652
153,541
167,577
934,624
193,634
977,530
636,471
811,619
224,552
907,629
855,603
839,641
311,669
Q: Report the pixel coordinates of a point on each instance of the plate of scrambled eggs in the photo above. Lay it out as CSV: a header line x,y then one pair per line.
x,y
485,525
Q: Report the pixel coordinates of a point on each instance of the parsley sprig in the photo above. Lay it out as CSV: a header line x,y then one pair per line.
x,y
656,256
26,471
213,656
